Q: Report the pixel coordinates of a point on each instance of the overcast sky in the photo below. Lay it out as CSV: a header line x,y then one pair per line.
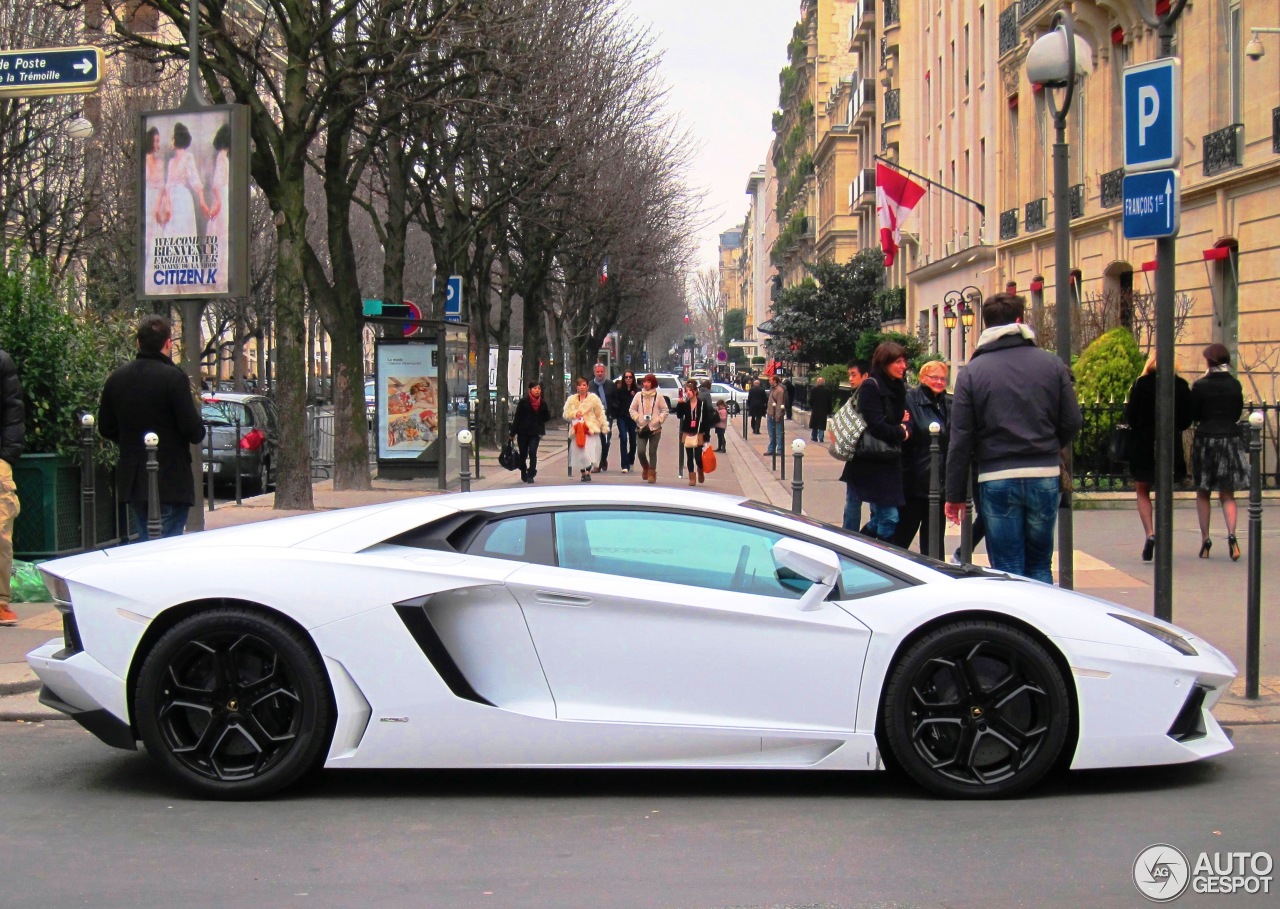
x,y
721,60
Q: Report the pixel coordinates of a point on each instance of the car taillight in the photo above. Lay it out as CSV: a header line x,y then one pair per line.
x,y
253,441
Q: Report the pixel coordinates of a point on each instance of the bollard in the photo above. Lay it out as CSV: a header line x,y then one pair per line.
x,y
743,411
152,442
782,444
208,462
464,439
934,515
237,460
1253,611
88,518
471,425
966,525
797,482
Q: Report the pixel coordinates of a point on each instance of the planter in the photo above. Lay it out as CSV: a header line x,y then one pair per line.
x,y
49,491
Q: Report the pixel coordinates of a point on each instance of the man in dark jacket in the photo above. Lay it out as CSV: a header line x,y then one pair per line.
x,y
757,404
151,394
1015,409
602,388
819,409
12,435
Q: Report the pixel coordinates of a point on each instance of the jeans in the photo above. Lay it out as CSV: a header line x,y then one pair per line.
x,y
528,455
626,443
884,520
173,520
775,436
852,509
1020,514
605,438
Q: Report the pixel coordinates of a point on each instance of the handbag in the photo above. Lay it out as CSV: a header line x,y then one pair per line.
x,y
846,428
690,440
870,448
708,459
1120,446
509,457
580,433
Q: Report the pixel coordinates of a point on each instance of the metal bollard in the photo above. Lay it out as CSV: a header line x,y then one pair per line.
x,y
152,441
742,411
237,460
797,481
208,462
1253,610
471,425
934,515
464,439
782,443
88,516
966,525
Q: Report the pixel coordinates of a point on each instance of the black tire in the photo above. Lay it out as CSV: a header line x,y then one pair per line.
x,y
260,482
976,710
234,704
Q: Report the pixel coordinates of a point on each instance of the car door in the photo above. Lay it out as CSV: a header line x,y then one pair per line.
x,y
683,619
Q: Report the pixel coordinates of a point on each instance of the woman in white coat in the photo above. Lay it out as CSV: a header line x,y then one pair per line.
x,y
584,410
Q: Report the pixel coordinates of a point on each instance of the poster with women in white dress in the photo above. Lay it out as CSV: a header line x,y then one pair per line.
x,y
189,202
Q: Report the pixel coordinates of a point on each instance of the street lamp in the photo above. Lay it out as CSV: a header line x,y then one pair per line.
x,y
949,317
968,309
1056,60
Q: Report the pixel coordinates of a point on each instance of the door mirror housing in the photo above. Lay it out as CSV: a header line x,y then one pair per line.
x,y
813,563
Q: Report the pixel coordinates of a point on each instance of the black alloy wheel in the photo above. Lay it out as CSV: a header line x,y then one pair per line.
x,y
976,709
234,704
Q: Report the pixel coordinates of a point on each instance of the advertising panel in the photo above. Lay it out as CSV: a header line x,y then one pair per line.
x,y
408,399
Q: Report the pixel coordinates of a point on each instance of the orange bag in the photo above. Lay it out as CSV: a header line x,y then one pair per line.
x,y
708,459
580,433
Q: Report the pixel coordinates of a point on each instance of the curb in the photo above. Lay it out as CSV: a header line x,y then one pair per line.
x,y
9,689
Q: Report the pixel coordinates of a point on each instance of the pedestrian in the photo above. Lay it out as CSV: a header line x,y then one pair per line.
x,y
529,425
858,371
587,425
789,387
1014,411
775,414
649,410
1218,461
927,403
722,421
1140,414
12,438
603,389
819,409
696,418
882,401
757,404
624,392
152,394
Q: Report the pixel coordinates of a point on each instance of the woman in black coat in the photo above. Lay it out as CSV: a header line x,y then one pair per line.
x,y
819,409
882,400
1140,414
927,403
529,425
1218,460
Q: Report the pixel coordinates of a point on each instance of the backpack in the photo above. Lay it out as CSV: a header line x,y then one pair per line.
x,y
846,429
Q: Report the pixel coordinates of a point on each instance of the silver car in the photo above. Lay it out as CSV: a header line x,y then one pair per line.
x,y
242,430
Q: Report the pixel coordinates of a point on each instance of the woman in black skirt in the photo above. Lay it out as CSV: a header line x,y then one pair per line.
x,y
1140,414
1218,460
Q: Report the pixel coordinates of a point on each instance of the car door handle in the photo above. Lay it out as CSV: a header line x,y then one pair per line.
x,y
560,599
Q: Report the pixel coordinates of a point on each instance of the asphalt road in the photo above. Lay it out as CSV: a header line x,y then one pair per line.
x,y
86,825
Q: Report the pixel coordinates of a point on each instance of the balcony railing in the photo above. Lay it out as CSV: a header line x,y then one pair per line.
x,y
1224,149
863,15
863,189
893,104
1034,217
1027,7
863,101
1008,224
884,52
891,17
1275,130
1112,192
1075,201
1009,29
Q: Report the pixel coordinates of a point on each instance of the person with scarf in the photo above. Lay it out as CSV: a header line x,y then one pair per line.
x,y
1014,411
696,419
625,391
927,403
529,425
882,401
648,411
587,423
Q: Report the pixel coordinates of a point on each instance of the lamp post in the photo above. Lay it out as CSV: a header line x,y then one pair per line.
x,y
970,301
1054,62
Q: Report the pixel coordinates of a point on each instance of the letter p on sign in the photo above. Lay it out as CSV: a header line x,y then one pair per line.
x,y
1148,111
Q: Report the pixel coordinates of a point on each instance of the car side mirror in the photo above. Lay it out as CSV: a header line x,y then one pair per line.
x,y
813,563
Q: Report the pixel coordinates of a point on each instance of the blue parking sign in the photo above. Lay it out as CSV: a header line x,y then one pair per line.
x,y
1153,115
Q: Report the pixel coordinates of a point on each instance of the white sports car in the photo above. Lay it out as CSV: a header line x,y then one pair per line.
x,y
606,627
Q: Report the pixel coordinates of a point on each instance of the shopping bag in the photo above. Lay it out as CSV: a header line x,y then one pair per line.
x,y
708,459
846,428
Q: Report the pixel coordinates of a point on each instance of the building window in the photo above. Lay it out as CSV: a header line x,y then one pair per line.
x,y
1223,262
1235,64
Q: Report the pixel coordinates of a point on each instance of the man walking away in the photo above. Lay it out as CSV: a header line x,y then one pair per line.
x,y
12,435
603,389
151,394
757,404
1014,411
819,409
775,415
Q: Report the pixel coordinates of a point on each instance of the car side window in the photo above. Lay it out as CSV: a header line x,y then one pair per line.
x,y
522,538
858,580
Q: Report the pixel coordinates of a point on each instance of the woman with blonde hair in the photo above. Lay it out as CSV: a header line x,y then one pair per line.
x,y
929,402
586,419
1140,414
1218,461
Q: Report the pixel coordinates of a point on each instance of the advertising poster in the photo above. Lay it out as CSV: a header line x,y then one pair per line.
x,y
408,399
194,202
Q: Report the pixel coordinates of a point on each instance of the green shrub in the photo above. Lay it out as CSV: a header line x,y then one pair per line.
x,y
1104,373
870,340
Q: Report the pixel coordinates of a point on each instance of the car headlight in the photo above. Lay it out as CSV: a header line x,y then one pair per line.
x,y
1160,633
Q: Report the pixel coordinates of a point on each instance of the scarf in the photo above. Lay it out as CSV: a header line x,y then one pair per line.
x,y
1221,367
1003,331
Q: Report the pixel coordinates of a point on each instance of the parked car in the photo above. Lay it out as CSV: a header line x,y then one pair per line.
x,y
671,386
257,443
734,398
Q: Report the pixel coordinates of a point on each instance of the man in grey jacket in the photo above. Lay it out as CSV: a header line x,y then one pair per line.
x,y
1014,411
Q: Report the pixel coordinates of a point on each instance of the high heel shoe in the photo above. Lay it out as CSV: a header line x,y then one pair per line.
x,y
1205,547
1233,548
1149,548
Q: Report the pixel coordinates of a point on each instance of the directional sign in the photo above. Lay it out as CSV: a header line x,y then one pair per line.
x,y
1153,115
1152,204
453,299
50,71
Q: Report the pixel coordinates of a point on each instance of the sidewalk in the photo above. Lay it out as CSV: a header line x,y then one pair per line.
x,y
1209,594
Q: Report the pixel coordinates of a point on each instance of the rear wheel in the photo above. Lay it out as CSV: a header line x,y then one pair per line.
x,y
234,704
976,710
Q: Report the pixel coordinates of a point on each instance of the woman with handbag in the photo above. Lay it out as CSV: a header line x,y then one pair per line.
x,y
586,419
1140,415
876,472
648,410
1218,460
529,425
696,419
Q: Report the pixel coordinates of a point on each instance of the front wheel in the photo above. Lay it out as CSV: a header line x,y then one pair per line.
x,y
234,704
976,709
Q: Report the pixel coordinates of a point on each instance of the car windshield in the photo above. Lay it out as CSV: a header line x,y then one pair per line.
x,y
226,413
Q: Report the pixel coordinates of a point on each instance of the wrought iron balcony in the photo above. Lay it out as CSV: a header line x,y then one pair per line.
x,y
1275,130
893,105
891,15
1075,201
1112,188
1008,224
1034,217
1224,149
884,52
1027,7
1009,29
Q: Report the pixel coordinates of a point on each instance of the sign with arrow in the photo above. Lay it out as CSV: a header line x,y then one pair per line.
x,y
1152,204
50,71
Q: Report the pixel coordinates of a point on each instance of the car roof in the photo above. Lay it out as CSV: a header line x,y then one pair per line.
x,y
233,397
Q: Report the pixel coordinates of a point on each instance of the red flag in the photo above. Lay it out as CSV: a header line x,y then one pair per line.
x,y
896,196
